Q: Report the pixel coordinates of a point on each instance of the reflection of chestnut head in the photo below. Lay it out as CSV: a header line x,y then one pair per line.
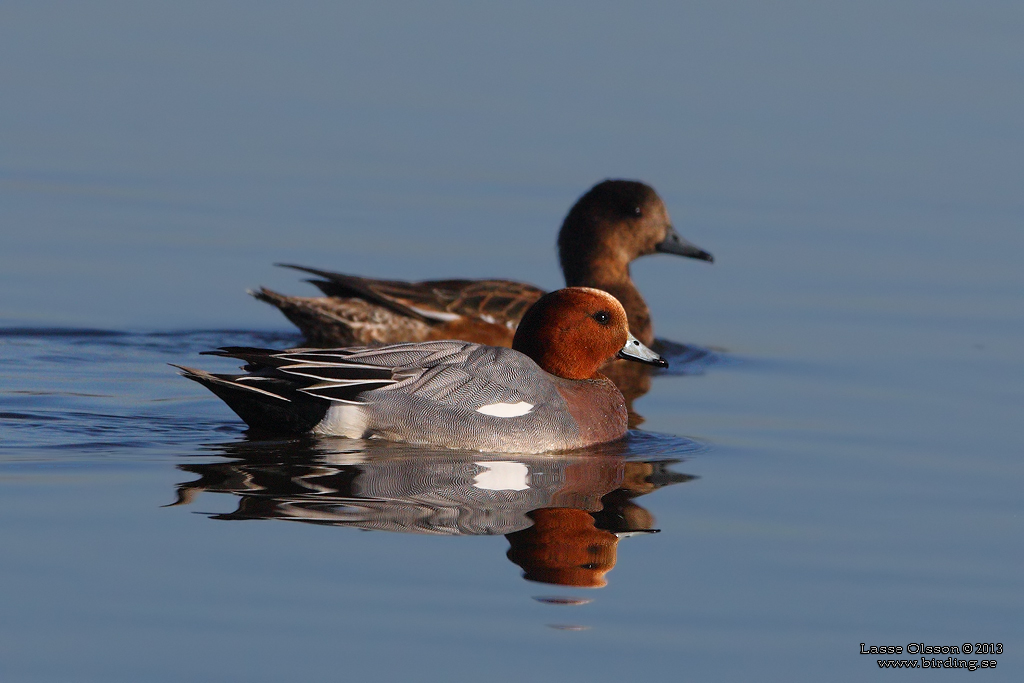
x,y
563,547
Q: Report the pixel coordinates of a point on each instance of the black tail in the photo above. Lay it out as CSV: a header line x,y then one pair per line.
x,y
273,407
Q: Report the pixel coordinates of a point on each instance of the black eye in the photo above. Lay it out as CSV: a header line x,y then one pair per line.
x,y
637,211
602,317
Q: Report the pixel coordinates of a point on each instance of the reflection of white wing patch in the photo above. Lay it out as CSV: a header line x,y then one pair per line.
x,y
502,476
506,409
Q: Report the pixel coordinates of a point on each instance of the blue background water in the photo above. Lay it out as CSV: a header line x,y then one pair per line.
x,y
855,169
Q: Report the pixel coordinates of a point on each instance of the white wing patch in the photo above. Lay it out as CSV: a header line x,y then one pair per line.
x,y
436,315
506,409
501,475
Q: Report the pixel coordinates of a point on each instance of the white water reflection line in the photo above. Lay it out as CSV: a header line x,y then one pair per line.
x,y
562,600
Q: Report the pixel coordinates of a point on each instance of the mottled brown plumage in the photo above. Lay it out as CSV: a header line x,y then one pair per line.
x,y
614,223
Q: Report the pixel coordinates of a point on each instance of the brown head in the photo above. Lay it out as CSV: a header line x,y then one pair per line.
x,y
572,332
615,222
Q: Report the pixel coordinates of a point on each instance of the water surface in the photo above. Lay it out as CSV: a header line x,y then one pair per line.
x,y
845,467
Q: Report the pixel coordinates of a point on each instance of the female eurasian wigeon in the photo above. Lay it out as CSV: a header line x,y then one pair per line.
x,y
614,223
545,394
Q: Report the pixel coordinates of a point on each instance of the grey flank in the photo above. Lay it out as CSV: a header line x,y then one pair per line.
x,y
440,385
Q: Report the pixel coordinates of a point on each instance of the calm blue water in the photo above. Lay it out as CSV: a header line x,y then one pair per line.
x,y
844,468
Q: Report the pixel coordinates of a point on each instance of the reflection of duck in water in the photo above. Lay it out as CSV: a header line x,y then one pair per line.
x,y
565,547
572,547
551,508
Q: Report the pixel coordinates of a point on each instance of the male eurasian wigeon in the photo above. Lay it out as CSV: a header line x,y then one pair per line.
x,y
615,222
545,394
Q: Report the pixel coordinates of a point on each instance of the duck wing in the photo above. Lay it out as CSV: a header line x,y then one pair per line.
x,y
451,394
495,301
446,372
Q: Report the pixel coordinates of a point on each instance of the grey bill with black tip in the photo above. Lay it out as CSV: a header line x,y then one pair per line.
x,y
635,351
674,244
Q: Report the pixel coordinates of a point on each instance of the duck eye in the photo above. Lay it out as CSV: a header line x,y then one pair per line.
x,y
602,317
637,211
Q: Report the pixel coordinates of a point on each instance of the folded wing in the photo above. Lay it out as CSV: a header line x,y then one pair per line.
x,y
497,301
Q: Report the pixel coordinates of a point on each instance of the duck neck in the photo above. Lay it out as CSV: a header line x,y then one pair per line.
x,y
636,309
610,272
594,264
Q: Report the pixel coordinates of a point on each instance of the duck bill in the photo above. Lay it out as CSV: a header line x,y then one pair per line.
x,y
674,244
635,351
